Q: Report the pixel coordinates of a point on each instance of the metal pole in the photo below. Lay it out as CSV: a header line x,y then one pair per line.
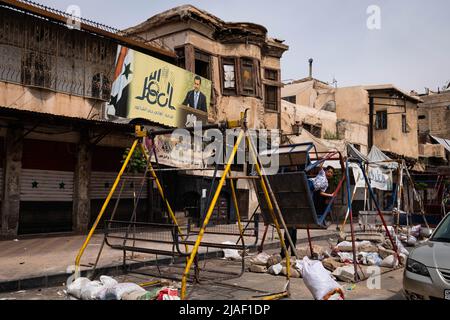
x,y
371,114
261,247
161,192
208,215
105,205
236,206
394,245
350,209
310,243
271,211
272,195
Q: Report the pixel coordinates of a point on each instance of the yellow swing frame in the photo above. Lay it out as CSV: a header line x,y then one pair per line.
x,y
270,199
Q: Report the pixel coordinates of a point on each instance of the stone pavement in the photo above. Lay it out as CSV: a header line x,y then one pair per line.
x,y
243,288
33,263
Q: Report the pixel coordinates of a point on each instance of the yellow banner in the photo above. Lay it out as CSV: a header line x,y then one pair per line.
x,y
149,88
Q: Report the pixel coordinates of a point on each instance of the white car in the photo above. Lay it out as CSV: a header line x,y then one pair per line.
x,y
427,272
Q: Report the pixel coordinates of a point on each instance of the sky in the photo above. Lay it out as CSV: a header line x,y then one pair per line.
x,y
409,48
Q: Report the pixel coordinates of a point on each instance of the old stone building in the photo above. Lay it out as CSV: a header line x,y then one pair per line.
x,y
434,114
434,127
59,156
380,115
61,153
240,59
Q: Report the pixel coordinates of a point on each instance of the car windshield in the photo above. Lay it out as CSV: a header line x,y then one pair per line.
x,y
442,234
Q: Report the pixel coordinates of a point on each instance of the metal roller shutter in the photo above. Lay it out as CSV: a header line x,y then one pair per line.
x,y
43,185
102,182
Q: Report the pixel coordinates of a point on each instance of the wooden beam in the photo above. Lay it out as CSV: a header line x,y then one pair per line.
x,y
133,44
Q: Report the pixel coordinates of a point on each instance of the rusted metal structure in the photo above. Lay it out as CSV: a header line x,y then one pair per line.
x,y
131,236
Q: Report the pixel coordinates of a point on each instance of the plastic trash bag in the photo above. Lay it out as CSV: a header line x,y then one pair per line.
x,y
373,259
346,257
231,253
91,290
390,262
108,281
299,266
168,294
276,269
401,248
345,246
415,231
120,289
412,241
74,289
317,279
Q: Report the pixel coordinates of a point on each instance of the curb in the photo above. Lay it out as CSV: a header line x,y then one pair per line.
x,y
59,279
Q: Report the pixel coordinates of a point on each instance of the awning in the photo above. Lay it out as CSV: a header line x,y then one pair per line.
x,y
355,153
376,156
443,142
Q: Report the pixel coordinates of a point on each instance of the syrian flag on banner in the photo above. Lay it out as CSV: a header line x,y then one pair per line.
x,y
123,75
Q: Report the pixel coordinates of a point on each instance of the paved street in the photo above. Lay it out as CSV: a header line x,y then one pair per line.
x,y
53,255
247,287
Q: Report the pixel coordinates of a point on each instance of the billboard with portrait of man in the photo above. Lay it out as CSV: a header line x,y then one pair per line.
x,y
149,88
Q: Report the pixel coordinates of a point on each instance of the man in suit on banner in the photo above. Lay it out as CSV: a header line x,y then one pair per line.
x,y
195,99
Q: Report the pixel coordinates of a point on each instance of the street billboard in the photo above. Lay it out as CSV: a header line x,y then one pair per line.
x,y
149,88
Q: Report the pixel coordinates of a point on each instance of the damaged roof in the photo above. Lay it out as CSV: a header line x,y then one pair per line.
x,y
391,87
222,31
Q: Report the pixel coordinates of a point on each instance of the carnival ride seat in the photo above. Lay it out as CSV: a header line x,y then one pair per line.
x,y
295,200
291,189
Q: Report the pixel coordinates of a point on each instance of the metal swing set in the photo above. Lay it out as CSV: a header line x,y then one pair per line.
x,y
151,238
282,205
295,201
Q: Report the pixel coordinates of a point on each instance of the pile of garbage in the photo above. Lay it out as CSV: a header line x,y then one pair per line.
x,y
414,235
318,280
109,289
372,249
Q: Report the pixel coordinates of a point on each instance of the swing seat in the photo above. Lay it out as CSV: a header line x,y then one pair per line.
x,y
295,200
149,238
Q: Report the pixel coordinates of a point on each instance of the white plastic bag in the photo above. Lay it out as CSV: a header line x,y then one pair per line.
x,y
108,281
401,248
231,253
317,279
390,262
91,290
299,266
345,246
276,269
120,289
373,259
346,257
75,287
412,241
415,231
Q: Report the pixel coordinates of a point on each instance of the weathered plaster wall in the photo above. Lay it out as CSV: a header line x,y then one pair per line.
x,y
41,100
291,112
352,104
436,109
393,139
